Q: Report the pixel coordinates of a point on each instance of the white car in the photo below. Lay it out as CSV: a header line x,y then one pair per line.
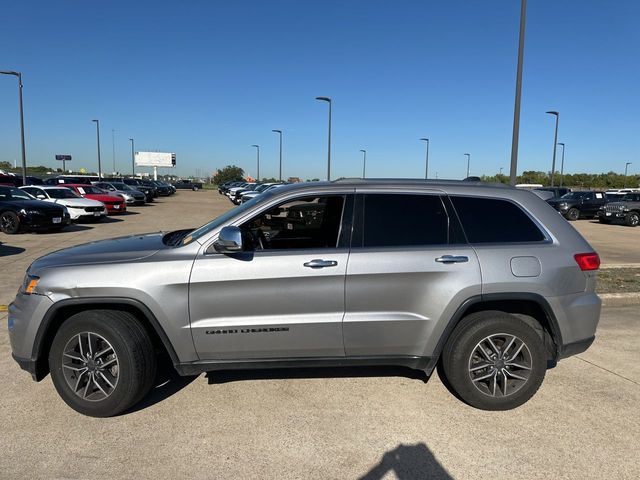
x,y
79,208
254,193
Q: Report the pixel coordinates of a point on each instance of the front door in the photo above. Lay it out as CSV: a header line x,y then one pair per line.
x,y
283,296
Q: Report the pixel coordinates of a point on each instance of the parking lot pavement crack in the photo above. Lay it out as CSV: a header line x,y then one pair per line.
x,y
607,370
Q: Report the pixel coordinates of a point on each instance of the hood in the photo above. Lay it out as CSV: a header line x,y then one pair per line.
x,y
122,249
556,201
32,204
131,193
76,202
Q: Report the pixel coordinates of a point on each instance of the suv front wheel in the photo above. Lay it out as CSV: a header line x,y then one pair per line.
x,y
493,361
102,362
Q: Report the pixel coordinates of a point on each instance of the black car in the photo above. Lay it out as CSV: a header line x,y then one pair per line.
x,y
163,189
188,185
626,211
20,211
150,191
582,204
223,188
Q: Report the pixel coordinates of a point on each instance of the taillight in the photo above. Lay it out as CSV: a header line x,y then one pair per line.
x,y
587,261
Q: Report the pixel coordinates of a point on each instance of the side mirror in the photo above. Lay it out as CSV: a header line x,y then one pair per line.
x,y
229,240
41,196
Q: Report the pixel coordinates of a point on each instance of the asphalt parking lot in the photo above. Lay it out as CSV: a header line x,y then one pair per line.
x,y
325,423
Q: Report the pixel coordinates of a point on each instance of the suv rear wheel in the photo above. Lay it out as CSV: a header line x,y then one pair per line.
x,y
493,361
573,214
632,219
102,362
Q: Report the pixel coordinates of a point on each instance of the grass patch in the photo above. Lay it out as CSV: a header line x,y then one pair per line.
x,y
618,280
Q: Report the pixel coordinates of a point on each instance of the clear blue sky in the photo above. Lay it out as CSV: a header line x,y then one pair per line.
x,y
207,79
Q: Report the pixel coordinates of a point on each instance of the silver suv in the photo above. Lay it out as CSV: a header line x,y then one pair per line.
x,y
484,282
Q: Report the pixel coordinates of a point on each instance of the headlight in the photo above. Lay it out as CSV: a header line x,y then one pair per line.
x,y
563,205
29,284
24,211
625,209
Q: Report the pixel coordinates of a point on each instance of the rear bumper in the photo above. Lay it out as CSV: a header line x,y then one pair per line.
x,y
575,348
28,365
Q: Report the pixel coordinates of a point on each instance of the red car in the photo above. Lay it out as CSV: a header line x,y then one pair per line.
x,y
114,203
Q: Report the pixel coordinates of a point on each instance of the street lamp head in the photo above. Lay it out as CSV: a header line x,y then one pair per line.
x,y
424,139
95,121
553,112
560,143
468,154
324,99
131,139
9,72
277,131
363,151
629,163
257,146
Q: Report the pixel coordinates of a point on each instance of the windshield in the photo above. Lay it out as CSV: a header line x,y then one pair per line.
x,y
91,190
61,193
11,193
574,195
225,217
121,186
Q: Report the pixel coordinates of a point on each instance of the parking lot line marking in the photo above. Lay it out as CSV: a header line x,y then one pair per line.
x,y
3,308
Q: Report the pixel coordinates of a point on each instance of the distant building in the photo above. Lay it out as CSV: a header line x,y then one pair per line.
x,y
294,180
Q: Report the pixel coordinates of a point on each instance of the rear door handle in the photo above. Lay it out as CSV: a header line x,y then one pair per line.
x,y
452,259
319,263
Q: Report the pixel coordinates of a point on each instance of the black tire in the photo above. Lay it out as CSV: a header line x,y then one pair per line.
x,y
9,223
572,214
135,362
458,357
195,189
632,219
604,220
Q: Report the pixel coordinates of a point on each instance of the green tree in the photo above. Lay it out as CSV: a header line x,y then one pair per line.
x,y
5,165
230,173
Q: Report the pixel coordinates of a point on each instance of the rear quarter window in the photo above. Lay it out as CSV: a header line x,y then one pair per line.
x,y
489,220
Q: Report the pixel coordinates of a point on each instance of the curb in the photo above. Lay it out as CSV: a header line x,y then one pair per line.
x,y
617,299
610,266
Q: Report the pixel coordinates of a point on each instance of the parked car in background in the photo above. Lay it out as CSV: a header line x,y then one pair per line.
x,y
555,192
231,192
115,204
258,191
224,187
79,208
149,191
163,189
130,195
21,211
86,179
626,211
579,204
237,194
188,185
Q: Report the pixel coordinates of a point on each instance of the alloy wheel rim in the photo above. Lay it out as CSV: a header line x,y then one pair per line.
x,y
90,366
7,222
500,365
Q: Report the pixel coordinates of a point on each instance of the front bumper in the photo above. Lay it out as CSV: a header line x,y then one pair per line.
x,y
617,216
43,222
26,313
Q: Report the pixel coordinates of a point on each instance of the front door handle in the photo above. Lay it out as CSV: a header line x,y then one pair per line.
x,y
452,259
318,263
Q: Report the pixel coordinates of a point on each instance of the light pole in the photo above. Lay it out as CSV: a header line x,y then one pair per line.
x,y
280,169
513,172
98,137
113,149
555,142
258,169
626,166
501,170
24,151
426,160
328,100
561,164
133,159
468,163
364,163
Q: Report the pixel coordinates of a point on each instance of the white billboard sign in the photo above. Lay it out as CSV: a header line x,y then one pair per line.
x,y
154,159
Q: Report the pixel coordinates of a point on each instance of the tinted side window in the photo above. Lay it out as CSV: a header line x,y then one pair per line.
x,y
487,220
395,220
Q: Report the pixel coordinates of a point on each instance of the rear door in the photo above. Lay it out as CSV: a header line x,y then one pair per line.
x,y
409,268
